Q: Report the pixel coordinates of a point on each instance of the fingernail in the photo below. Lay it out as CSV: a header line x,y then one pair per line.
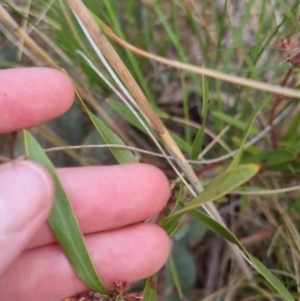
x,y
26,190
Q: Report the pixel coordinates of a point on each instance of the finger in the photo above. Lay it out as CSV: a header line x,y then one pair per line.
x,y
26,194
127,254
31,96
109,197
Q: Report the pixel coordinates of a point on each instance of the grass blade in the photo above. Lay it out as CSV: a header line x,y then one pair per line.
x,y
123,156
238,156
197,144
225,233
216,227
175,276
271,278
63,222
233,122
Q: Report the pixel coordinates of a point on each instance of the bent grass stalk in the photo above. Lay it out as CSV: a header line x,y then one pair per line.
x,y
110,54
203,71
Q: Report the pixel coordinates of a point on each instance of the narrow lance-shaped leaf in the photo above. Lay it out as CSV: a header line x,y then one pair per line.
x,y
63,222
186,109
175,276
220,230
273,280
221,185
216,227
237,123
121,155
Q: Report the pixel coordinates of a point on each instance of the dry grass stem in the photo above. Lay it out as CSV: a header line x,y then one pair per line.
x,y
10,23
207,72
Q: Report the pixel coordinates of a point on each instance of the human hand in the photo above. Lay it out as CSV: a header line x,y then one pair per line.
x,y
110,204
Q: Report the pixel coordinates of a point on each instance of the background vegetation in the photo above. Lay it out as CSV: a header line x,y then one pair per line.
x,y
252,39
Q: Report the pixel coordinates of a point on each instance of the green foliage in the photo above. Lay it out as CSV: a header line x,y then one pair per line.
x,y
241,39
121,155
198,141
63,222
223,232
238,156
270,158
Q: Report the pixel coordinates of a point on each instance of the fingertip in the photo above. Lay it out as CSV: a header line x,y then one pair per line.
x,y
159,247
159,181
31,96
64,85
144,249
154,187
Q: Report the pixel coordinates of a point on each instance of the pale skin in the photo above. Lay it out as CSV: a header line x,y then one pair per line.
x,y
111,204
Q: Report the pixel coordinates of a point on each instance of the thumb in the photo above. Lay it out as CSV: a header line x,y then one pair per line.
x,y
26,196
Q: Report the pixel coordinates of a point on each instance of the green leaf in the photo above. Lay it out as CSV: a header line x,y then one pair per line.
x,y
221,185
170,224
150,289
122,155
186,108
175,276
198,141
63,222
232,121
217,228
273,280
290,145
238,156
181,269
288,12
